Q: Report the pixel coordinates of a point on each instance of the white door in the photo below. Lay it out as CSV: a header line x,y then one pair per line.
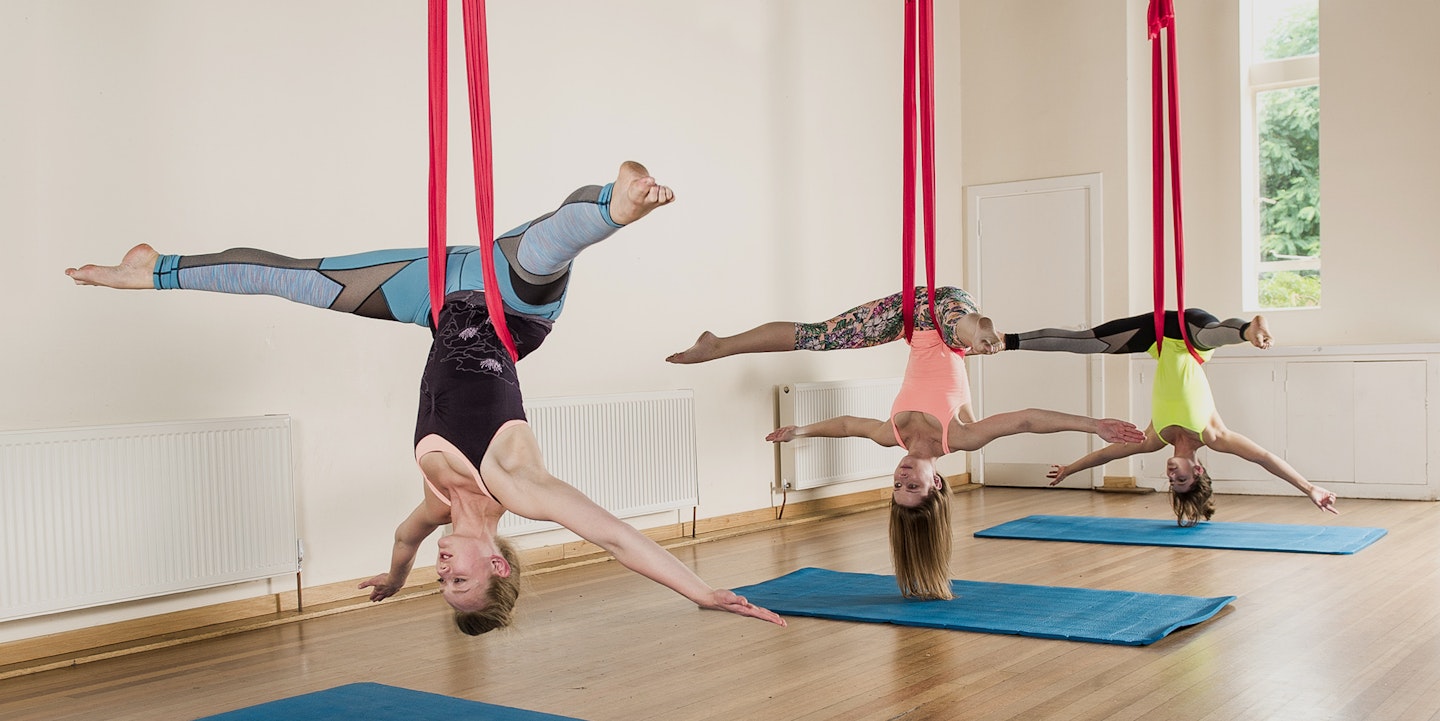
x,y
1034,262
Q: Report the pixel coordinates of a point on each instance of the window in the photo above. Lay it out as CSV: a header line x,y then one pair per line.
x,y
1281,62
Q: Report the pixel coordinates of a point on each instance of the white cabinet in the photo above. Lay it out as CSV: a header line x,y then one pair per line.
x,y
1355,420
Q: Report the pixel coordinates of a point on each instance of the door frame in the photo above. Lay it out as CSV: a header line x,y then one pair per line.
x,y
1092,184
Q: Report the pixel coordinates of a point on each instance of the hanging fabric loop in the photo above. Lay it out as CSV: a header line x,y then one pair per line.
x,y
1165,96
478,85
436,46
919,61
478,77
907,172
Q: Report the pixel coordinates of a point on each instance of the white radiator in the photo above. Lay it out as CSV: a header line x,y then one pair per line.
x,y
98,515
631,453
811,462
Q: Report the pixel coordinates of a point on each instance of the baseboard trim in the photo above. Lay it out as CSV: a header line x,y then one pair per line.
x,y
1122,484
71,648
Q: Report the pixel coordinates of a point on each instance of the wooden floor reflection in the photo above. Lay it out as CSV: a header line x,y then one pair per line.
x,y
1310,636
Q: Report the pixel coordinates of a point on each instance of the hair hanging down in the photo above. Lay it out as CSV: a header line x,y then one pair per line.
x,y
499,599
1194,505
920,546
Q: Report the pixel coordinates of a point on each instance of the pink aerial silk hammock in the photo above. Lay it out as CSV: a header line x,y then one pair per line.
x,y
1161,16
919,54
478,82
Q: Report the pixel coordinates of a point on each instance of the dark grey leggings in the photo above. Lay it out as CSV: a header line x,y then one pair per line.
x,y
1132,335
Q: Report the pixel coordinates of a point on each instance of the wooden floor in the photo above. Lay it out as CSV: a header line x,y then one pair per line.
x,y
1310,637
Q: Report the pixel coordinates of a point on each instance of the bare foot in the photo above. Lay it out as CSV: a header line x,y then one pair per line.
x,y
706,348
986,340
636,194
978,334
135,271
1258,333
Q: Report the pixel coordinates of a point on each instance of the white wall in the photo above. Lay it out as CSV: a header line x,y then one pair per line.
x,y
1044,95
301,127
1064,88
1378,158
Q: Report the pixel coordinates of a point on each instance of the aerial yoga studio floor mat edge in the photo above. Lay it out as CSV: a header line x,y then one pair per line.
x,y
1055,612
377,702
1156,532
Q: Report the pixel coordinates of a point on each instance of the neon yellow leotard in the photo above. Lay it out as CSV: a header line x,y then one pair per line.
x,y
1181,396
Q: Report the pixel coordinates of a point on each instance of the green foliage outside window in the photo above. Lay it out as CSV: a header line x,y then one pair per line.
x,y
1290,173
1289,146
1290,289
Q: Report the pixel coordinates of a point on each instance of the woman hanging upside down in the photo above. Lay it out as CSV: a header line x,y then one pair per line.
x,y
1182,407
478,456
930,417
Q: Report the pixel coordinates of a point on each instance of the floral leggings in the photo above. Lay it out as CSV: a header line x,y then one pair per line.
x,y
882,321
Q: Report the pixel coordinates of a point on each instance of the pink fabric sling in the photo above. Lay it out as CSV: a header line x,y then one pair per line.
x,y
919,55
1161,16
478,83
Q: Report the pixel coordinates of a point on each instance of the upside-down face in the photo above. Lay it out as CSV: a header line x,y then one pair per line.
x,y
915,480
465,566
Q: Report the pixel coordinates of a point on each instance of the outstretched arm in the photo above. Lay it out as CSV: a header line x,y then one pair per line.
x,y
1228,441
1112,452
408,535
974,436
514,472
837,427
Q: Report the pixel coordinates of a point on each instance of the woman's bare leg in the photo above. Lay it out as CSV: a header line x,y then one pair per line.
x,y
636,194
135,271
869,324
373,284
771,337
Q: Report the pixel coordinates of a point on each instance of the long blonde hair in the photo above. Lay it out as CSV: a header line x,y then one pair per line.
x,y
920,546
499,598
1196,504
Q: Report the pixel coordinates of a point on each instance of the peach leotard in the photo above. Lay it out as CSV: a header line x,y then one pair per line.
x,y
935,383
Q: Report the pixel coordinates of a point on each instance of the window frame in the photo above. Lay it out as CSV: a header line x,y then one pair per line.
x,y
1258,77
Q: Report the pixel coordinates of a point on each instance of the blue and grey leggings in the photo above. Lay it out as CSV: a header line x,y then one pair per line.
x,y
532,263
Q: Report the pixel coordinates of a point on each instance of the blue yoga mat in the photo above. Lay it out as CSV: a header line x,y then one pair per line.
x,y
1074,614
1152,532
378,702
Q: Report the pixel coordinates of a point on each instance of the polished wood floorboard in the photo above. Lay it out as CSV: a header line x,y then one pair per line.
x,y
1310,637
